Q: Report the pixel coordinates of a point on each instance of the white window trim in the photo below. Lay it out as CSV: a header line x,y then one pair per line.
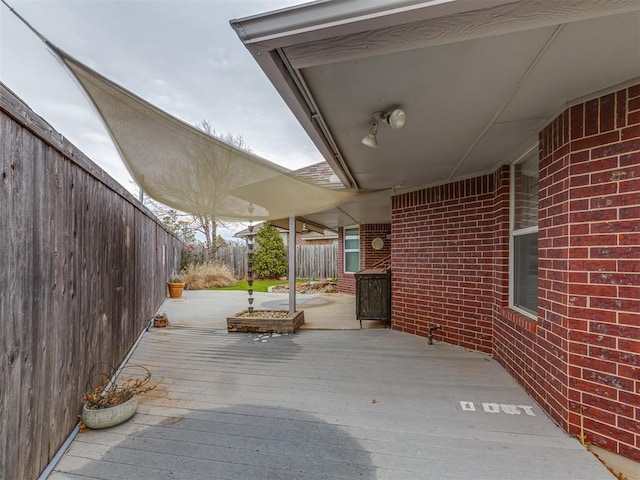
x,y
514,233
350,250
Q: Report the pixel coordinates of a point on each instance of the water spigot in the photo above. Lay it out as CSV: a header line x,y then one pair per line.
x,y
431,330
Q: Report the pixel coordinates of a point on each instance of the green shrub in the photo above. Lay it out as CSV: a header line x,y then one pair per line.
x,y
270,258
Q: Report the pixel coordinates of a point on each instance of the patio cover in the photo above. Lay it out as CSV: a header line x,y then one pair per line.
x,y
187,169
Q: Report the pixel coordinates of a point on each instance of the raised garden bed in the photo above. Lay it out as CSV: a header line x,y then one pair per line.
x,y
265,321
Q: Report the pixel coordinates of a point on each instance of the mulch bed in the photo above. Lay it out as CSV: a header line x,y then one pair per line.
x,y
322,286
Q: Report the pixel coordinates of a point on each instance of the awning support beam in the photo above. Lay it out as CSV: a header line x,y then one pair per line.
x,y
292,266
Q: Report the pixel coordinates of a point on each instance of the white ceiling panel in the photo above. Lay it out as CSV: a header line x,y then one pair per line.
x,y
450,93
585,57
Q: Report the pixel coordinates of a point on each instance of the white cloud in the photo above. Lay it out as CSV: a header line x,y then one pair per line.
x,y
97,138
181,56
70,111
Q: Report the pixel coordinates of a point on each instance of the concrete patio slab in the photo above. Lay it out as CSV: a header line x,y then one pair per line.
x,y
322,404
334,311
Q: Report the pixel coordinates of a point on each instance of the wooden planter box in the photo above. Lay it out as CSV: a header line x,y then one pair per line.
x,y
238,323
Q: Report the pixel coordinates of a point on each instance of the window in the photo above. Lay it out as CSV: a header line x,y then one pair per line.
x,y
523,283
351,249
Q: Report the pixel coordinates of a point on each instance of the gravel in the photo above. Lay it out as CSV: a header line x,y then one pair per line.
x,y
265,314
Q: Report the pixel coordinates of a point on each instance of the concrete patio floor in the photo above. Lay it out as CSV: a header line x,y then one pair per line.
x,y
321,404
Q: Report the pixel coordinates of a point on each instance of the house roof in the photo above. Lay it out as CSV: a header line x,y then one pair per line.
x,y
477,80
308,231
256,228
320,174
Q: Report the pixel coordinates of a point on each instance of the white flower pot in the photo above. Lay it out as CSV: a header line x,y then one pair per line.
x,y
109,417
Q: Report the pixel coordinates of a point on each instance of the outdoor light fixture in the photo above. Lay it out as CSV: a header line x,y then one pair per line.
x,y
371,140
394,118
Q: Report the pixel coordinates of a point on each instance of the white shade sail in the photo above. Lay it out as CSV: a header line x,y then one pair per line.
x,y
187,169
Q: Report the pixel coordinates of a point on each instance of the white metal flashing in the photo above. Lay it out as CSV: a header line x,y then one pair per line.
x,y
326,18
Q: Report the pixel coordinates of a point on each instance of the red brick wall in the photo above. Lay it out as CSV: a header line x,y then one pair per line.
x,y
584,360
535,352
368,255
449,255
603,254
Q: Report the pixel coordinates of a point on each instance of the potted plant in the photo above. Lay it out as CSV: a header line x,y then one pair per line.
x,y
160,320
175,285
107,403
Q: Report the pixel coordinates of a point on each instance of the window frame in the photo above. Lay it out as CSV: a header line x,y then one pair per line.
x,y
345,250
513,232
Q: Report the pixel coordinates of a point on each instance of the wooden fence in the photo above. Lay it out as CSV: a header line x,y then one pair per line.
x,y
82,269
317,262
235,257
314,262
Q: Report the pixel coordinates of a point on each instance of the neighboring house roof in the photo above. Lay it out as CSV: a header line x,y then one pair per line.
x,y
318,233
256,228
320,174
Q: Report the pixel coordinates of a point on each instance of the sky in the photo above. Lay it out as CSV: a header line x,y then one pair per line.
x,y
182,56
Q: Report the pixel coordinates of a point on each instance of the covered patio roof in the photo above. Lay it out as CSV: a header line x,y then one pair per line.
x,y
477,81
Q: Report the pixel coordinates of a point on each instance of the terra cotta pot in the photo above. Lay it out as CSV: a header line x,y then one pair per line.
x,y
175,289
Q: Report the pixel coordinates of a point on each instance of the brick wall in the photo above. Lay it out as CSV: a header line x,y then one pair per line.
x,y
447,263
368,255
581,360
533,352
603,275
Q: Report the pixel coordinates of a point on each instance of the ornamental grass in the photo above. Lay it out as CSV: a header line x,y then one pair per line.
x,y
202,276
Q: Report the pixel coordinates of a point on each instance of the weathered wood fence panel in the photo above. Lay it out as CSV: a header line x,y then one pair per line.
x,y
82,269
317,262
235,257
313,261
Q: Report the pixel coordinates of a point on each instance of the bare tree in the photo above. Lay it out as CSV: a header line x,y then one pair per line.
x,y
187,225
208,224
181,224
